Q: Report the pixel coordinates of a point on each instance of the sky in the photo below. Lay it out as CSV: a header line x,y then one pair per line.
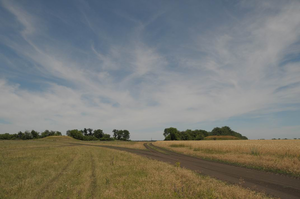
x,y
147,65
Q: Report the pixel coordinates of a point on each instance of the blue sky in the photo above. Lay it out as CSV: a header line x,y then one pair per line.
x,y
148,65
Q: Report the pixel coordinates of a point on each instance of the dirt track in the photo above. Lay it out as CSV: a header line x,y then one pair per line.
x,y
269,183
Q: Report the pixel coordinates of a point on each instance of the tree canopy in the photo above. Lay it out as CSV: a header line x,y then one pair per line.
x,y
121,134
29,135
173,134
88,134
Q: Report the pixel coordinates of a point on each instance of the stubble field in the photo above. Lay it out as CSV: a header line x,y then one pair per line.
x,y
60,168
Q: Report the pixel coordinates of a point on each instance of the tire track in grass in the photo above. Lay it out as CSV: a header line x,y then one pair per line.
x,y
93,179
50,183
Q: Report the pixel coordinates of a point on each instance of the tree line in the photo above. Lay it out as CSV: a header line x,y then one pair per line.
x,y
88,134
174,134
121,134
29,135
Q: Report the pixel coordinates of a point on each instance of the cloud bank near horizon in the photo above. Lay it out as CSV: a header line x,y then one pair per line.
x,y
145,67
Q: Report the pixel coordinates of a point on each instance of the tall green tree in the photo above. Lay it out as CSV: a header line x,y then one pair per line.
x,y
171,133
27,135
126,135
20,135
75,134
115,133
90,132
34,134
216,131
58,133
85,132
119,134
98,133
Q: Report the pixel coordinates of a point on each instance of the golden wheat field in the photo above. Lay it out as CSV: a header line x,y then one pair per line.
x,y
281,156
55,167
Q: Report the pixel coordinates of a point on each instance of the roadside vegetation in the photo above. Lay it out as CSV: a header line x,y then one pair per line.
x,y
56,167
279,156
88,134
216,134
27,135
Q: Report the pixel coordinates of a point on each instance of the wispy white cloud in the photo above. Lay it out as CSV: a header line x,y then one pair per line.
x,y
22,16
135,85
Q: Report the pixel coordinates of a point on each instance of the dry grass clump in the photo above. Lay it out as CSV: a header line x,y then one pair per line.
x,y
281,156
58,170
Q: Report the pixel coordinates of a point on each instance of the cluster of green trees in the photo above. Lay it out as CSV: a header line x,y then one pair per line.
x,y
173,134
121,134
225,130
29,135
89,134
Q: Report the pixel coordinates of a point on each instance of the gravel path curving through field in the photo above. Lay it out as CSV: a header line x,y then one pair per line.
x,y
272,184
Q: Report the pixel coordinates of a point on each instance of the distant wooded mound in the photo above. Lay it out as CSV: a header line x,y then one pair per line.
x,y
217,133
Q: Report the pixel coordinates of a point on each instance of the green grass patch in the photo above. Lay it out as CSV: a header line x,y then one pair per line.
x,y
254,151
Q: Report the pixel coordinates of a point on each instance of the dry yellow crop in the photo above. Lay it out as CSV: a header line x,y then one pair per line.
x,y
282,156
58,168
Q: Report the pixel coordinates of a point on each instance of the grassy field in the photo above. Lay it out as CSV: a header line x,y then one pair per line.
x,y
280,156
117,143
54,168
126,144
